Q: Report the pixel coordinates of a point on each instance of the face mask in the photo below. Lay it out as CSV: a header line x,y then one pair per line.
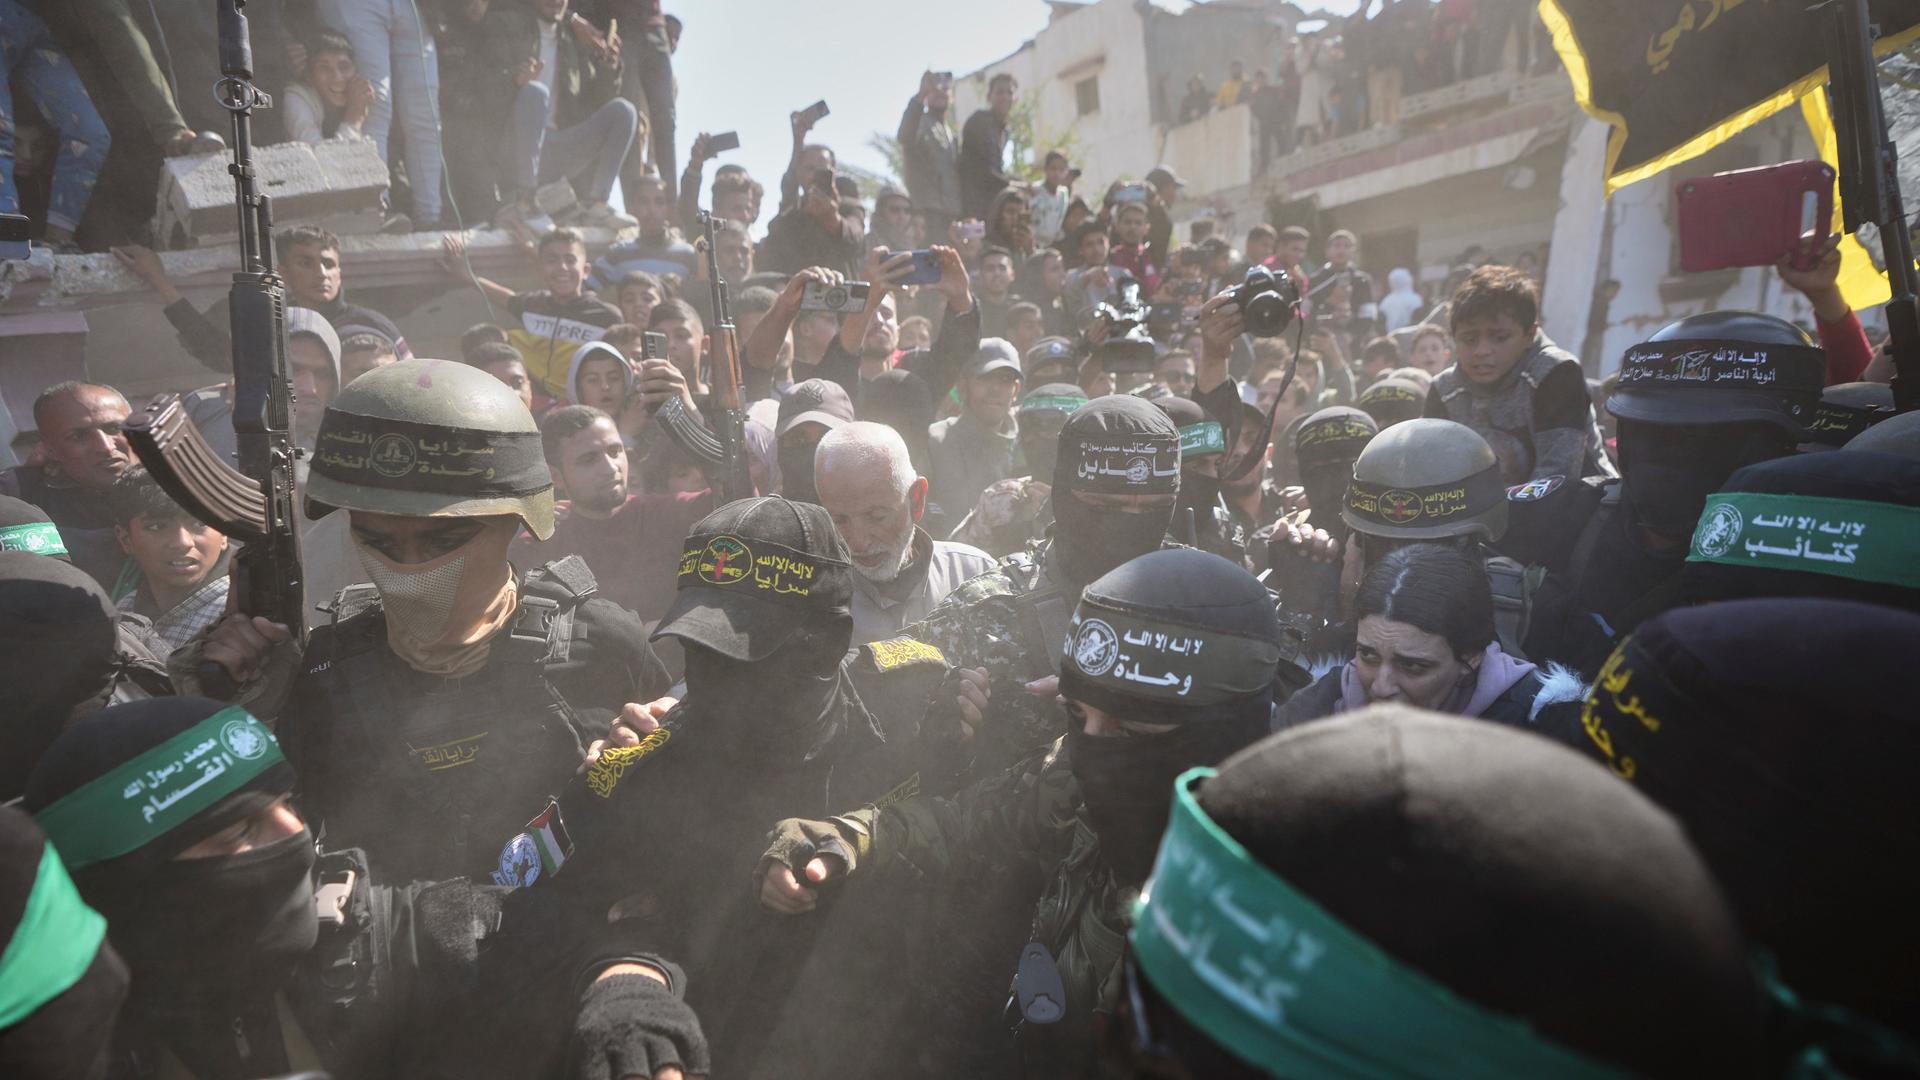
x,y
1200,492
441,614
1094,539
1671,469
1126,783
782,710
217,930
796,473
1040,455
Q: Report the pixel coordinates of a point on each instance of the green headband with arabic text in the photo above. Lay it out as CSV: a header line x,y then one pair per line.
x,y
37,537
1267,973
1849,538
138,802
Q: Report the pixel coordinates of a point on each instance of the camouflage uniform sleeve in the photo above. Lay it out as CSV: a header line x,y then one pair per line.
x,y
1024,812
969,630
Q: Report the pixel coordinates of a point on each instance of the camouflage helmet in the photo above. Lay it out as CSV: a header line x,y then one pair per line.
x,y
1427,479
431,438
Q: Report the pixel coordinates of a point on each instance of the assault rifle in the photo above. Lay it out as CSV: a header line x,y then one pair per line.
x,y
254,504
1870,182
736,480
724,452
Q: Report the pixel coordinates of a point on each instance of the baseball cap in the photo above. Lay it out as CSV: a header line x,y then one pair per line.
x,y
994,354
822,401
753,573
347,330
1055,348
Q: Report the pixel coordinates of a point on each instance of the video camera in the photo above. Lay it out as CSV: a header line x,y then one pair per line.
x,y
1268,302
1129,346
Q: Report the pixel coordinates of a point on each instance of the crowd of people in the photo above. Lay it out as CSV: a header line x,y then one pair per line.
x,y
1134,658
475,104
1349,73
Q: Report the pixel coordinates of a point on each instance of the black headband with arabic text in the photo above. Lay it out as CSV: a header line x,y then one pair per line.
x,y
1138,655
1434,504
403,455
1724,365
762,568
1123,463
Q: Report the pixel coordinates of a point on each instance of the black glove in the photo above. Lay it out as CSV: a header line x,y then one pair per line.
x,y
795,841
632,1025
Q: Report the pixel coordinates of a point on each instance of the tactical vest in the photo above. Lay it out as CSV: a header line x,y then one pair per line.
x,y
138,671
428,775
1076,923
1046,608
1514,587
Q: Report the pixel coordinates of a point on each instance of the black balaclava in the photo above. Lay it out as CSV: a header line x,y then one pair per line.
x,y
1244,479
1199,492
56,651
76,981
1325,446
1517,876
1043,411
784,709
1177,637
1670,469
762,609
1780,733
1116,445
209,940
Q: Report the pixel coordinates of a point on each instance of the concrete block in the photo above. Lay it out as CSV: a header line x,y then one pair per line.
x,y
336,184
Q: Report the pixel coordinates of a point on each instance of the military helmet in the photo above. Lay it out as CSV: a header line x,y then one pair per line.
x,y
1427,479
1722,367
1846,410
1897,434
431,438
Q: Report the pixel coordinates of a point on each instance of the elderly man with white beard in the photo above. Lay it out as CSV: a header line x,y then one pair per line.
x,y
867,483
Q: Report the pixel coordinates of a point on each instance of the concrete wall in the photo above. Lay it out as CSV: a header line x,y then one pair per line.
x,y
1105,41
1142,57
1642,250
1215,152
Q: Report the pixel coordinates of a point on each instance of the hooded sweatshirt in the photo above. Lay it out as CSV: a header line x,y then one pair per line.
x,y
587,352
1401,302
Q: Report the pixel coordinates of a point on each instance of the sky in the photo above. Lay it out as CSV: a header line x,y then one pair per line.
x,y
745,65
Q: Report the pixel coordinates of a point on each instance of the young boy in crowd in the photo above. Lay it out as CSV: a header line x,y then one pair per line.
x,y
600,378
637,293
176,569
502,361
552,322
361,350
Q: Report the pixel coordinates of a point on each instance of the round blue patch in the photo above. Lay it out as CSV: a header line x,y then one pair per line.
x,y
519,862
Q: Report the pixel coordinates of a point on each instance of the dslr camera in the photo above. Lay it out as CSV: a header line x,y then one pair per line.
x,y
1267,301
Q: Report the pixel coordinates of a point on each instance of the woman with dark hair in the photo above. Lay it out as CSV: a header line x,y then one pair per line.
x,y
1425,637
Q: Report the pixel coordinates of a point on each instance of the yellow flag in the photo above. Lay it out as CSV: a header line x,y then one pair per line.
x,y
1861,283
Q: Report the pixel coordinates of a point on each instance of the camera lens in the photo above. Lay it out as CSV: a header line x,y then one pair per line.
x,y
1266,314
